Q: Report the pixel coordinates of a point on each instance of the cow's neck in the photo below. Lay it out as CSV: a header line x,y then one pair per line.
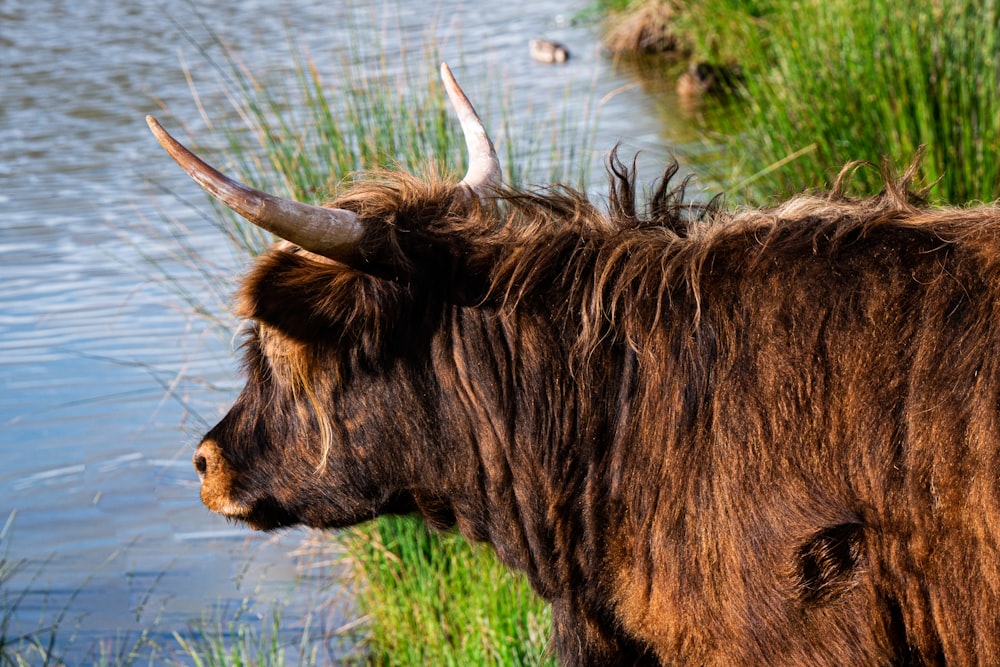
x,y
524,446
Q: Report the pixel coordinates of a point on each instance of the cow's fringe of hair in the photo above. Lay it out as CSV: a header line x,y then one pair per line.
x,y
322,419
302,383
897,189
293,369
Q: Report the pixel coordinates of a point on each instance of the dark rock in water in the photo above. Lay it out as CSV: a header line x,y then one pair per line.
x,y
703,79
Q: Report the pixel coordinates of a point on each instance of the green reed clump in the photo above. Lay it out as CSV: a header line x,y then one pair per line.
x,y
431,599
718,31
831,81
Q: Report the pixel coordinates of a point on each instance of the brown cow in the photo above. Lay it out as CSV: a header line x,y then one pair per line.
x,y
768,437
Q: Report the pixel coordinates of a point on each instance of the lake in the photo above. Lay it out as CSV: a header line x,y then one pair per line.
x,y
106,380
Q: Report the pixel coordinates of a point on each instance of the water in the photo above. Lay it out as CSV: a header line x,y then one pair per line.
x,y
105,381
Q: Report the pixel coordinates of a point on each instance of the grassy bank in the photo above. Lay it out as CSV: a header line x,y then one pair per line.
x,y
826,82
836,80
715,31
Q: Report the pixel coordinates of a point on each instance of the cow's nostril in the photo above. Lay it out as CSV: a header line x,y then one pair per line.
x,y
200,464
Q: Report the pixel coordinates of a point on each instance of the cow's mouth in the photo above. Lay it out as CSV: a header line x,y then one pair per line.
x,y
264,514
267,515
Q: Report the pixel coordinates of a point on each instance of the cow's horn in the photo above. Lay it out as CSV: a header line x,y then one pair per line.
x,y
330,232
484,172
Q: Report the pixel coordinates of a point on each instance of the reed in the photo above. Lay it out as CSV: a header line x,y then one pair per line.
x,y
41,643
831,81
432,599
240,642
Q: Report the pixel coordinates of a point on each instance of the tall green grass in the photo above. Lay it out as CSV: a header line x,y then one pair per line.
x,y
719,31
830,81
432,599
244,641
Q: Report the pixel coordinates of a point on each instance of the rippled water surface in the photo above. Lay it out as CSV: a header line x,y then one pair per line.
x,y
105,379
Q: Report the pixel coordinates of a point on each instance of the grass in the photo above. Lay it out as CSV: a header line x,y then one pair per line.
x,y
22,645
830,81
827,82
684,30
719,31
432,599
243,641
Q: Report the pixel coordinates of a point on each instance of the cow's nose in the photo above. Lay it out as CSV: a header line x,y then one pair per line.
x,y
200,464
203,457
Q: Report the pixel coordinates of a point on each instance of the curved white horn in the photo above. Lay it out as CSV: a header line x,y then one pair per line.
x,y
484,172
330,232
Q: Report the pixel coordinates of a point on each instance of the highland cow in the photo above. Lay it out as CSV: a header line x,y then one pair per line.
x,y
764,437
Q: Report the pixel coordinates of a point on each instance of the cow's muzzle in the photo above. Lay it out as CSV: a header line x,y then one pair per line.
x,y
216,480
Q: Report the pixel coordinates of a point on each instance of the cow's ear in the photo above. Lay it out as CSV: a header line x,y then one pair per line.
x,y
315,300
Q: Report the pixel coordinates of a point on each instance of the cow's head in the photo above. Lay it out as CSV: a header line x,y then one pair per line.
x,y
323,431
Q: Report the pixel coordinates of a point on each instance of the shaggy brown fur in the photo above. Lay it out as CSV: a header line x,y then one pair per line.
x,y
767,437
